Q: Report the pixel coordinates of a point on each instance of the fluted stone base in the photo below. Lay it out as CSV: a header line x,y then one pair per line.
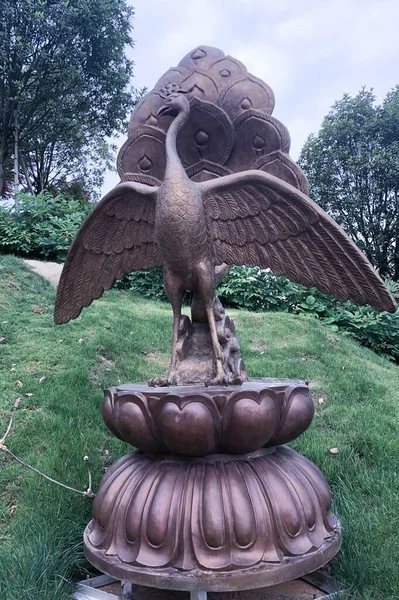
x,y
199,420
216,523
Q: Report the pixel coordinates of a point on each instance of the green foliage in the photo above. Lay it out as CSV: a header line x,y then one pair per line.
x,y
14,237
65,83
41,226
378,331
353,169
260,290
147,283
256,289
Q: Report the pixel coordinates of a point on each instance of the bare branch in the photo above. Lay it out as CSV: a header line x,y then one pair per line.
x,y
16,406
24,464
3,447
89,491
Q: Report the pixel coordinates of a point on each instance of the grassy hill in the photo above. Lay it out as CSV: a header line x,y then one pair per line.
x,y
123,338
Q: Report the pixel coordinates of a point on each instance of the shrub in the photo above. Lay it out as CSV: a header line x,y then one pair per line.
x,y
42,226
14,237
147,283
259,289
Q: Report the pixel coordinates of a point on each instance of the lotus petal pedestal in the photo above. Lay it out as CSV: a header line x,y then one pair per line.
x,y
212,500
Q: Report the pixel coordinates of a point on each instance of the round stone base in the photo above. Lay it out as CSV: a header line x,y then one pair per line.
x,y
215,523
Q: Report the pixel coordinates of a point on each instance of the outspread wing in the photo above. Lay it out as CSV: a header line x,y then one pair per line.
x,y
117,237
256,219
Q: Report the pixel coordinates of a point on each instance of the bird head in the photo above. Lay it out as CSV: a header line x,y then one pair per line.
x,y
174,104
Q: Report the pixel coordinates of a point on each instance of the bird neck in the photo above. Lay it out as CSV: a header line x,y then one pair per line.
x,y
173,162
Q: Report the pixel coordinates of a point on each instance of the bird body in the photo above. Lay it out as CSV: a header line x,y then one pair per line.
x,y
180,223
182,236
180,220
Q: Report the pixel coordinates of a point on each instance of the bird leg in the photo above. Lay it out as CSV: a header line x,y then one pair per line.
x,y
175,293
175,339
220,378
206,285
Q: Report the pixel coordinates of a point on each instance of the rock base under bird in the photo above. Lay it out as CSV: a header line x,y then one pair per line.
x,y
195,357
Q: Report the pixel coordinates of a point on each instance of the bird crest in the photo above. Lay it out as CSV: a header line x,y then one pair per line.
x,y
171,89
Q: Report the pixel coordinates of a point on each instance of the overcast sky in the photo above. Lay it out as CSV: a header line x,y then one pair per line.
x,y
309,51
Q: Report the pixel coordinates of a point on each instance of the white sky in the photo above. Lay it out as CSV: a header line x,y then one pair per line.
x,y
309,51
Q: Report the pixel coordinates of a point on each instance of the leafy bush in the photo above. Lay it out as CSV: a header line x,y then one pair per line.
x,y
256,289
14,237
41,226
261,290
378,331
147,283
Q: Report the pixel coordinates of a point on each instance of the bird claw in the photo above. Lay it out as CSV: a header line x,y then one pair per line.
x,y
236,380
218,380
225,380
162,382
158,382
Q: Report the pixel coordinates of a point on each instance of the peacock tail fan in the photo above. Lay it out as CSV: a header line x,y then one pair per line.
x,y
230,127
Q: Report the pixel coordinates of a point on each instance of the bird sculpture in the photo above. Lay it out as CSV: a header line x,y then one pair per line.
x,y
195,229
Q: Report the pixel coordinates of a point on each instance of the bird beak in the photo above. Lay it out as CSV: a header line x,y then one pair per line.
x,y
163,110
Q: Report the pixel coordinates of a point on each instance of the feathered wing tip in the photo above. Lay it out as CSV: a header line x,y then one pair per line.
x,y
258,220
230,128
117,237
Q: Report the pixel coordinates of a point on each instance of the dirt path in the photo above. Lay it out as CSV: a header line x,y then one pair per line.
x,y
48,270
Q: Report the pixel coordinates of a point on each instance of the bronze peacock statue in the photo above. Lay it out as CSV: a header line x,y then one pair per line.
x,y
217,189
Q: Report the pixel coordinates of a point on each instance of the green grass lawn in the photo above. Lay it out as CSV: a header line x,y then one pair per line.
x,y
123,338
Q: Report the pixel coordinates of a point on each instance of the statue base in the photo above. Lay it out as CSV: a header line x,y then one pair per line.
x,y
214,523
212,500
194,420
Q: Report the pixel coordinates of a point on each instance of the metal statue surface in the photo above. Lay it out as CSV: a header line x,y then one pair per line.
x,y
211,499
180,205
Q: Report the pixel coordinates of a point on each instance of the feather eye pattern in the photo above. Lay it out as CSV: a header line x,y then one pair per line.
x,y
257,219
117,237
231,112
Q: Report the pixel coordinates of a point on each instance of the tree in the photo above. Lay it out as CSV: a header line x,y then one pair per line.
x,y
64,82
353,170
58,164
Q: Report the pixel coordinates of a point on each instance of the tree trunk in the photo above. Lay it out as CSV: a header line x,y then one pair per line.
x,y
383,267
3,162
25,170
16,160
1,177
396,260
